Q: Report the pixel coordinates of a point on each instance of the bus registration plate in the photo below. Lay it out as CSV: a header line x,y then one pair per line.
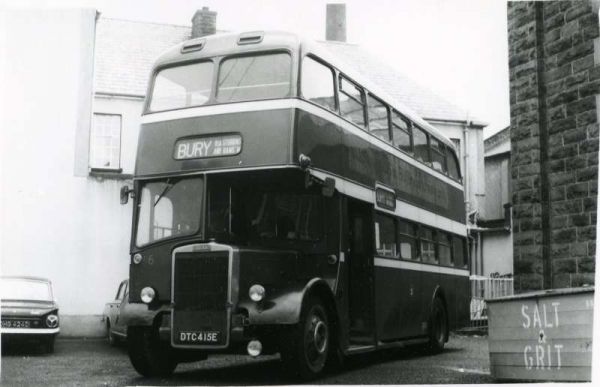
x,y
203,337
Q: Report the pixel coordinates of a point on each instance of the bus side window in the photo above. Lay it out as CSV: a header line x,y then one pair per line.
x,y
401,133
453,169
427,245
385,236
421,144
317,83
378,119
444,248
438,155
352,102
408,240
459,252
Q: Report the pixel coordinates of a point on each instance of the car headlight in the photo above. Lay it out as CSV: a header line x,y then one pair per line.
x,y
147,295
52,321
256,293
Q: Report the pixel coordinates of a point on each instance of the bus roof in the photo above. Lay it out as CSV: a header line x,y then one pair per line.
x,y
227,44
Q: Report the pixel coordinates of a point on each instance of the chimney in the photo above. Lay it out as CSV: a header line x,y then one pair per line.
x,y
336,22
204,23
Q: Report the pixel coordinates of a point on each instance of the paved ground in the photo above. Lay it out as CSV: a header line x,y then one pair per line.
x,y
94,362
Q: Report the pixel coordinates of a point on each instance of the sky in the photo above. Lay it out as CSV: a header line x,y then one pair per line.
x,y
456,48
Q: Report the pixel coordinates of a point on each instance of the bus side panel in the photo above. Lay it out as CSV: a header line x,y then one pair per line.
x,y
398,303
365,163
265,141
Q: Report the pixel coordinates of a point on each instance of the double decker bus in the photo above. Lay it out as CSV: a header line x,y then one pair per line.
x,y
284,204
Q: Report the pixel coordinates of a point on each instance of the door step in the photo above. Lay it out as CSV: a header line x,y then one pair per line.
x,y
357,348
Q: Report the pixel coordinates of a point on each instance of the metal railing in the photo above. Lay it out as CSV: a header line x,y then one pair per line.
x,y
483,288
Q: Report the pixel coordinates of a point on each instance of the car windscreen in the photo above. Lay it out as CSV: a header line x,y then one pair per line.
x,y
168,208
25,289
182,86
255,77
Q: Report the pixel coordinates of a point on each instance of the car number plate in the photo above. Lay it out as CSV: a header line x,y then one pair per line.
x,y
15,324
200,337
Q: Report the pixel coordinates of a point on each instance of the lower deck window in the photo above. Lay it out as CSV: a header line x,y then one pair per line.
x,y
407,239
385,236
427,246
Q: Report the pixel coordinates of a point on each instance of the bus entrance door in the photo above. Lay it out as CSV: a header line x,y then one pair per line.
x,y
360,274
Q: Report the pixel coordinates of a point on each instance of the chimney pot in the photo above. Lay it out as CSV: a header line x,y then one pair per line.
x,y
336,22
204,23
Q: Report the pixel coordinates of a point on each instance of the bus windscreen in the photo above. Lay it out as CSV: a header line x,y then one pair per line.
x,y
254,77
182,86
169,208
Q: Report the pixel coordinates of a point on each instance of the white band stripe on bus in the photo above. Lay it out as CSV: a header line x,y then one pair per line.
x,y
416,266
292,103
403,209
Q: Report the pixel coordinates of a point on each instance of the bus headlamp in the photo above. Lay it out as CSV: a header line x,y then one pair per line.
x,y
256,293
52,321
137,258
147,295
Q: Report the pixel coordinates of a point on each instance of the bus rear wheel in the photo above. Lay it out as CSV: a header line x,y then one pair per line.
x,y
306,346
148,354
438,323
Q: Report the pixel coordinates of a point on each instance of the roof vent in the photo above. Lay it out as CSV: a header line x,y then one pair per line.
x,y
193,45
250,38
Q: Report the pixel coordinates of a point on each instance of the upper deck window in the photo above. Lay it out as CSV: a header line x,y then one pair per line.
x,y
378,119
438,155
317,83
254,77
401,132
421,145
453,168
352,102
182,86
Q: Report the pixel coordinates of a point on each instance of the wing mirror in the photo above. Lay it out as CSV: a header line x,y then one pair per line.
x,y
125,193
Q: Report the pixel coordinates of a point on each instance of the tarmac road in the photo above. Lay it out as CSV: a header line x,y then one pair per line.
x,y
93,362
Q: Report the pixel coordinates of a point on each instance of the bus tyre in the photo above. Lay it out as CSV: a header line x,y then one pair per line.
x,y
149,356
438,323
305,347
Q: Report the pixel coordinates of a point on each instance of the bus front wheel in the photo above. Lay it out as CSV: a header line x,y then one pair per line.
x,y
438,322
305,347
148,354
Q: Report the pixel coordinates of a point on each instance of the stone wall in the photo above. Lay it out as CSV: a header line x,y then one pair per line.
x,y
554,79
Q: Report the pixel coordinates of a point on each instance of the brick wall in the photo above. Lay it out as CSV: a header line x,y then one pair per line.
x,y
554,79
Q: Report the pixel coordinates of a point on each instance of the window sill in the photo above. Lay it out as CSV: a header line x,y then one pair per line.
x,y
104,173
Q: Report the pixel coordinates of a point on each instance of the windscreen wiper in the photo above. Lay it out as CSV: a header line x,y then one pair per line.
x,y
164,191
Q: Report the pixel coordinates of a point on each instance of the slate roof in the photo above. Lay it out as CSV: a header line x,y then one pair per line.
x,y
422,100
126,50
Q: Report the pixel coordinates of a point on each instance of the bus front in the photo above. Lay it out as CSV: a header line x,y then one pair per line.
x,y
229,235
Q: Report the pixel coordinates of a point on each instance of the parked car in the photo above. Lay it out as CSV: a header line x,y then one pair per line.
x,y
115,330
28,310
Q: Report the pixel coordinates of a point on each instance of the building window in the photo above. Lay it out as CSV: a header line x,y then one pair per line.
x,y
105,143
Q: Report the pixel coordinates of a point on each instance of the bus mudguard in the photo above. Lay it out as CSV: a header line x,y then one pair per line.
x,y
285,306
134,314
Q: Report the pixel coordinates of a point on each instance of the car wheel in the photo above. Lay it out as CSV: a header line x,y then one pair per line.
x,y
149,355
305,347
112,339
438,326
49,344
